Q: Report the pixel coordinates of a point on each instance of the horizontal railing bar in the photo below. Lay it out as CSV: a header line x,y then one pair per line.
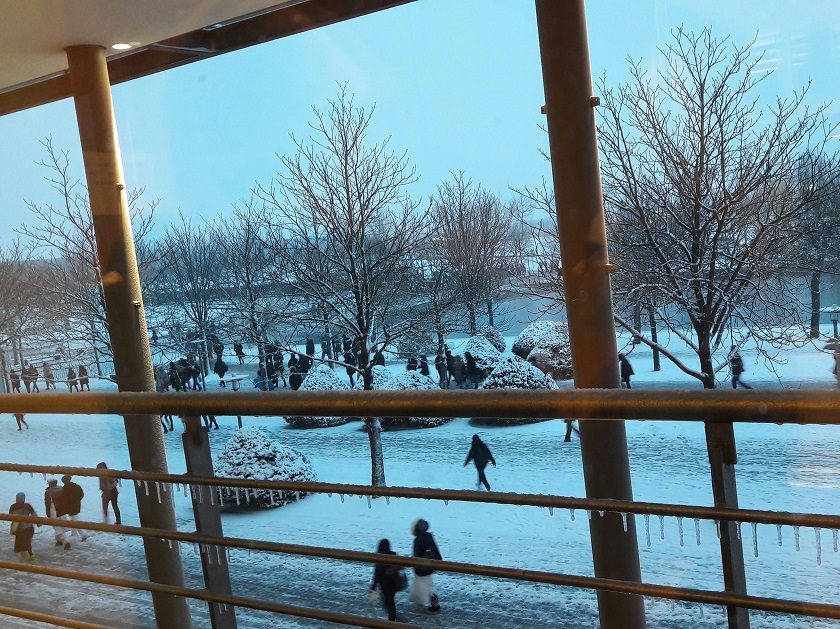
x,y
210,597
807,406
710,597
422,493
25,614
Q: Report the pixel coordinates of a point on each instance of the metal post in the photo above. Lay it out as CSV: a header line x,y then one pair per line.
x,y
208,520
577,184
720,443
124,310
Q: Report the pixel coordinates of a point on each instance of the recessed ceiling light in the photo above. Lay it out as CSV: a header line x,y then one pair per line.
x,y
121,46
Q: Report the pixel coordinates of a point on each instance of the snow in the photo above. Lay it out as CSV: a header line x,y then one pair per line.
x,y
540,334
784,468
485,353
494,336
321,378
399,379
512,372
253,453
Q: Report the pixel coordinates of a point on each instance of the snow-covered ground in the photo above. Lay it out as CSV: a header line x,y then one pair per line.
x,y
780,467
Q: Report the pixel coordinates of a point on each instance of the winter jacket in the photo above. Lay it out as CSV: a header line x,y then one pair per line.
x,y
424,366
736,363
457,369
51,500
83,375
71,377
22,508
310,347
107,485
70,499
220,368
424,546
626,369
386,575
480,453
15,378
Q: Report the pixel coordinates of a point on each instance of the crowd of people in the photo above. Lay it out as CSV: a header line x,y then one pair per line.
x,y
29,375
61,502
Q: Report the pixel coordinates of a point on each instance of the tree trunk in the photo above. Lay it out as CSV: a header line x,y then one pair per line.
x,y
377,462
15,355
654,336
439,331
637,315
816,276
706,365
490,310
471,315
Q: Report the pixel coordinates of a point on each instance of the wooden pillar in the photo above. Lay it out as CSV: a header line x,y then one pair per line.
x,y
577,185
124,312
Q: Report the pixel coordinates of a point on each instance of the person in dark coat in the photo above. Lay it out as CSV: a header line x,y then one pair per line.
x,y
389,578
379,358
51,496
570,427
336,348
23,531
736,365
72,382
220,368
440,365
450,360
473,372
423,367
49,377
14,377
346,343
480,455
21,421
310,347
70,504
326,347
210,422
350,362
295,378
304,364
411,365
84,380
239,351
175,377
195,374
626,370
458,372
110,489
423,589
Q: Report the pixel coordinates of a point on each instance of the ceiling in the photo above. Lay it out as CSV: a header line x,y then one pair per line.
x,y
164,33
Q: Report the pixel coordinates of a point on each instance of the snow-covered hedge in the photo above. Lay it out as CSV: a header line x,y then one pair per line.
x,y
322,378
514,373
494,336
251,453
553,357
384,380
539,333
485,354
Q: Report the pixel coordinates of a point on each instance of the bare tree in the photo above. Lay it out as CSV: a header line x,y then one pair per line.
x,y
69,275
703,197
348,233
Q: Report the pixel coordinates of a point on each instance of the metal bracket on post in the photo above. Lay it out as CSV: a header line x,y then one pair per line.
x,y
720,443
208,520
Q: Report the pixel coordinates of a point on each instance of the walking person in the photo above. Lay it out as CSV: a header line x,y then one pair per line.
x,y
390,579
473,373
440,365
33,375
411,365
626,370
239,351
23,531
110,489
51,497
70,504
14,379
480,455
423,367
423,589
310,347
220,368
836,371
84,381
458,372
736,366
49,377
21,421
72,382
350,366
570,427
210,421
450,362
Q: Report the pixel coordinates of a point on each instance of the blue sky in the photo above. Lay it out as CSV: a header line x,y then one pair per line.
x,y
456,83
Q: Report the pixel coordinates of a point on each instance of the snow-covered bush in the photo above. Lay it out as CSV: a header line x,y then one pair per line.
x,y
514,373
494,336
384,380
485,354
252,454
540,333
322,378
553,357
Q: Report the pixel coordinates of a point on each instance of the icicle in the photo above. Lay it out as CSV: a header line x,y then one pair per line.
x,y
136,482
796,537
647,529
368,501
210,492
221,497
445,502
680,528
551,511
779,533
388,500
186,489
697,535
329,494
701,612
237,496
247,496
271,498
572,514
297,496
834,539
218,555
661,527
342,498
600,513
192,492
157,490
755,538
818,544
589,514
624,521
146,487
31,475
737,530
169,543
45,476
717,526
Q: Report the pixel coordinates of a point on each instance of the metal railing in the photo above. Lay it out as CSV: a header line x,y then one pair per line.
x,y
821,406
